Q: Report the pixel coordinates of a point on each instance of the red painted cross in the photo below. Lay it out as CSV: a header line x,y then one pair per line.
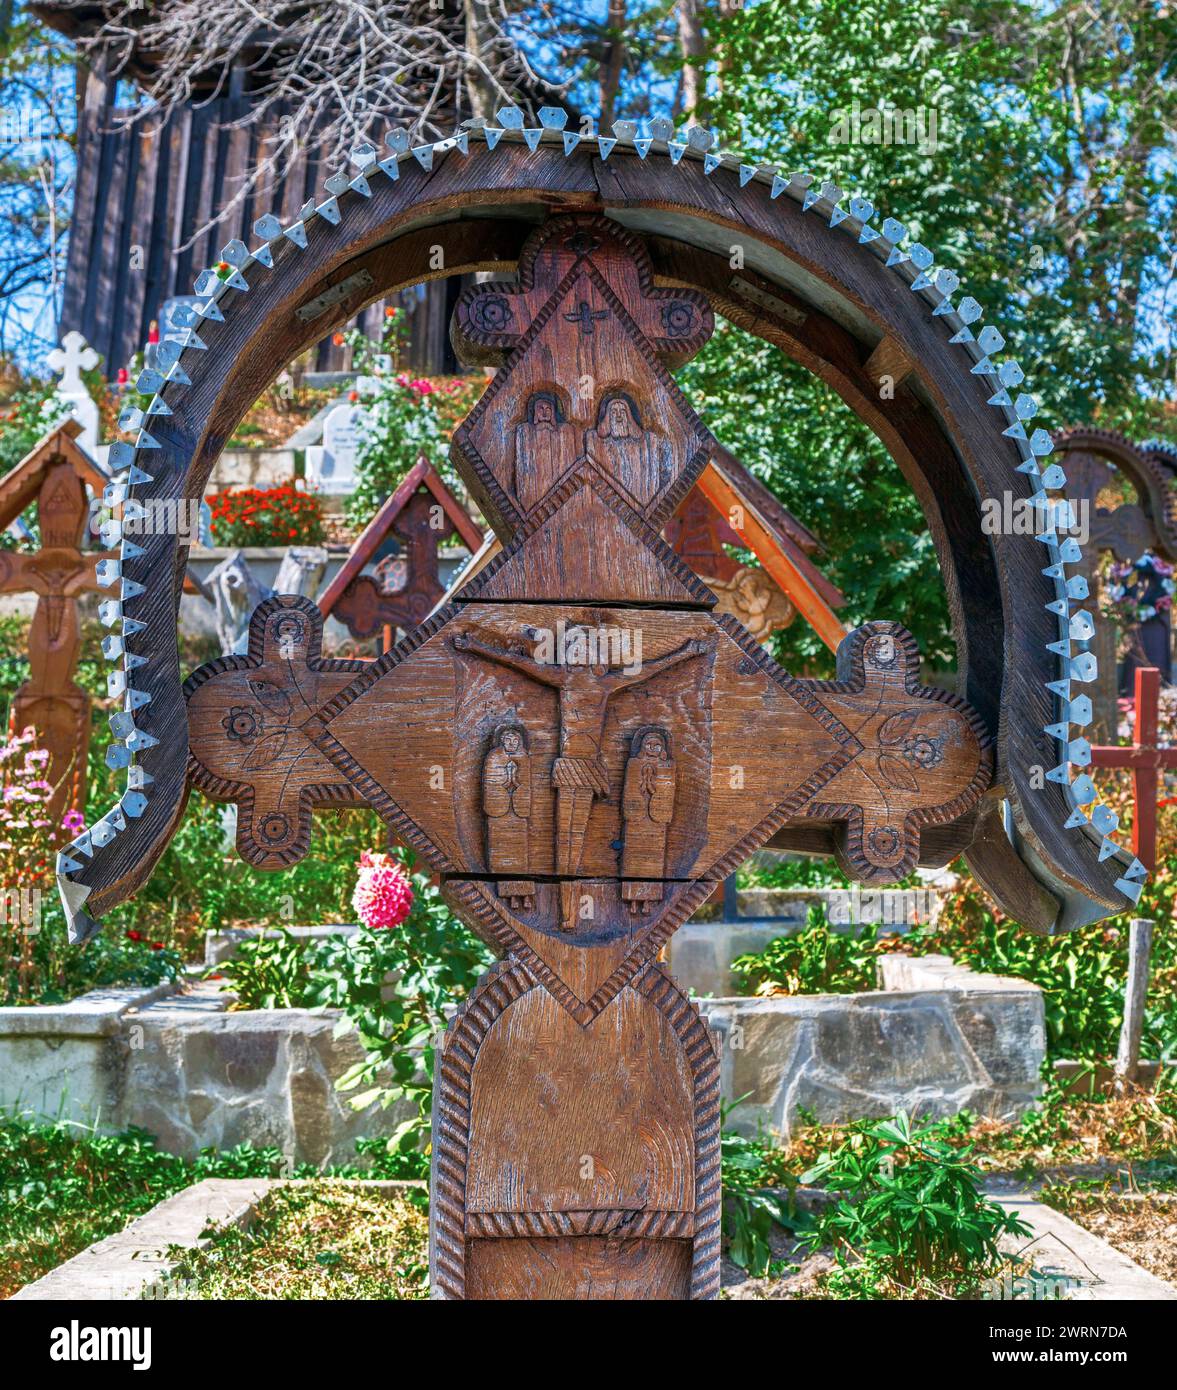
x,y
1148,760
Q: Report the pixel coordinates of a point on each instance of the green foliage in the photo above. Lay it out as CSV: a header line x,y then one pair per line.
x,y
109,961
25,417
269,972
827,467
391,983
817,960
62,1186
753,1203
407,417
907,1208
1049,185
1082,973
789,871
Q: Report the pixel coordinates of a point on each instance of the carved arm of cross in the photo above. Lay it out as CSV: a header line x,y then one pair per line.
x,y
925,755
247,720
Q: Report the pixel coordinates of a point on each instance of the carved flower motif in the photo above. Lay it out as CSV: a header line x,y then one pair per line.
x,y
924,751
491,313
883,842
274,828
242,723
678,318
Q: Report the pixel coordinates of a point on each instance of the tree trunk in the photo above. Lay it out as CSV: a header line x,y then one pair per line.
x,y
612,61
479,36
690,38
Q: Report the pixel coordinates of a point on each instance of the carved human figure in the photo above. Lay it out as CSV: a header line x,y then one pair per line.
x,y
578,774
545,448
633,457
647,806
506,803
754,601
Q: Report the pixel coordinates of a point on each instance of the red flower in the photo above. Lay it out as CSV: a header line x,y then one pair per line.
x,y
157,945
134,936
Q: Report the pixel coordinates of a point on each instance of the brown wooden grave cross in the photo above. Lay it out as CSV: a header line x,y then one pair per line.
x,y
1092,459
1148,759
420,513
54,475
583,751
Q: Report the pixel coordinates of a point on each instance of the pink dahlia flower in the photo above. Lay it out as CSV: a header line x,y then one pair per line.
x,y
383,894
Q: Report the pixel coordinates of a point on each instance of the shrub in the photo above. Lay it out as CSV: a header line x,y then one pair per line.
x,y
267,516
390,982
817,960
751,1169
907,1208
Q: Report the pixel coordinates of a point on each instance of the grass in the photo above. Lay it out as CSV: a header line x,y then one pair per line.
x,y
62,1186
321,1240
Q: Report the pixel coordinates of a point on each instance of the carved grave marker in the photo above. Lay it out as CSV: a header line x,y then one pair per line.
x,y
405,588
54,475
331,466
582,750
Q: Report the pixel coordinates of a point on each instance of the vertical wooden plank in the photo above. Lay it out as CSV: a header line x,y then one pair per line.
x,y
181,140
84,226
159,248
1135,993
112,165
138,230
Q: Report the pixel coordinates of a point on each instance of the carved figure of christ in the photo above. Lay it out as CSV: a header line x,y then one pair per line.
x,y
578,774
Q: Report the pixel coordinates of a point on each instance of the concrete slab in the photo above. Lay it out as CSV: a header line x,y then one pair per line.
x,y
1093,1270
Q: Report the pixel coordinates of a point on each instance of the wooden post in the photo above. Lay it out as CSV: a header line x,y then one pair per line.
x,y
1135,992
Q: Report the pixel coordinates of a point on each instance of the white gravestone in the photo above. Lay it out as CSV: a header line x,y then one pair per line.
x,y
331,466
73,357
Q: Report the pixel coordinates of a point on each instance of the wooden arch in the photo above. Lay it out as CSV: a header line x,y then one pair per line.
x,y
817,281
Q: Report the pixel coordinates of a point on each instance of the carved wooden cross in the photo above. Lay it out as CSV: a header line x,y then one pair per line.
x,y
582,750
1092,462
420,513
54,475
1148,759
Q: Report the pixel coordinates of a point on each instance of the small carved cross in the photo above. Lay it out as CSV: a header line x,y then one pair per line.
x,y
585,316
248,718
73,357
54,476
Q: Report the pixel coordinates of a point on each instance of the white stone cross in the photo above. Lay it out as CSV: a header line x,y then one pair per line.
x,y
71,359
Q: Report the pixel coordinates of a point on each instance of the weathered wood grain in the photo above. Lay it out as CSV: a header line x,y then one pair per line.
x,y
420,514
54,476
